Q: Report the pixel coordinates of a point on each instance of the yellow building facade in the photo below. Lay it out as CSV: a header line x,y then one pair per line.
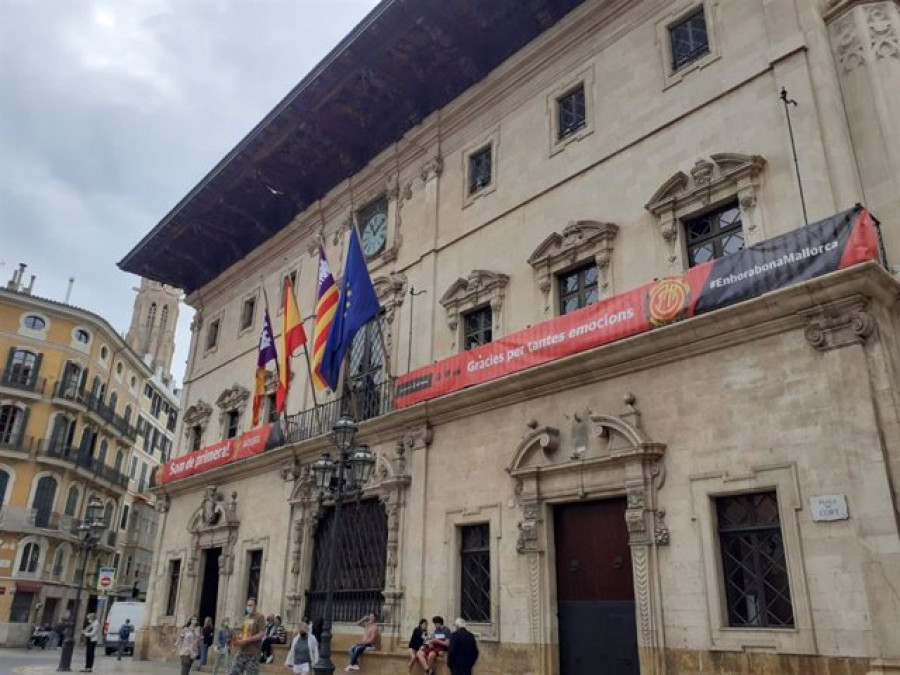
x,y
70,396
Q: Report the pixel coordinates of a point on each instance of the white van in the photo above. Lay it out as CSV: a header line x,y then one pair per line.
x,y
121,610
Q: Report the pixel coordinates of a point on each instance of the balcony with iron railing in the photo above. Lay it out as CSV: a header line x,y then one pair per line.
x,y
85,461
23,519
69,394
18,443
107,415
22,381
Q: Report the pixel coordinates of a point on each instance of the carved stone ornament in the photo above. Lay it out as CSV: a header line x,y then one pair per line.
x,y
863,32
213,524
198,413
579,241
468,293
837,329
529,529
211,507
234,398
391,290
432,168
723,175
162,503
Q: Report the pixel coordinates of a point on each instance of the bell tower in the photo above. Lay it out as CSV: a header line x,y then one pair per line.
x,y
153,320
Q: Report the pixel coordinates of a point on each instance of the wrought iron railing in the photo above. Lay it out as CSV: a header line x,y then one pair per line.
x,y
85,461
69,391
17,442
365,402
108,414
24,381
23,518
349,606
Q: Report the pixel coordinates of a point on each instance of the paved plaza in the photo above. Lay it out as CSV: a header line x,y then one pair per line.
x,y
40,662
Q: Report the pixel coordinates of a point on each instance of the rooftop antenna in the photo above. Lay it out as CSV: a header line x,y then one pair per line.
x,y
69,289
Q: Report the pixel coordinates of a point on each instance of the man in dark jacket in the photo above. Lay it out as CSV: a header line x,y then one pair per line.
x,y
463,651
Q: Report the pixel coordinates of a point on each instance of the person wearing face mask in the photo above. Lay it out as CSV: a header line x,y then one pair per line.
x,y
248,641
304,651
188,644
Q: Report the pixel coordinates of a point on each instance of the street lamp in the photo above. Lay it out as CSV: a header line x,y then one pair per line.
x,y
88,536
337,479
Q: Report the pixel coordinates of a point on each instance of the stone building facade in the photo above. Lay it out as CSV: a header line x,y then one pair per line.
x,y
721,490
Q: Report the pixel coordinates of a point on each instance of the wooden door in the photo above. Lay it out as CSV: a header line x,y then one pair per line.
x,y
595,591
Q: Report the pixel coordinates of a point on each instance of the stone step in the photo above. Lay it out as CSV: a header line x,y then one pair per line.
x,y
373,663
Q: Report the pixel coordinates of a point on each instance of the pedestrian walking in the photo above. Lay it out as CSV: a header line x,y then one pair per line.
x,y
463,651
188,644
207,633
248,644
222,647
124,632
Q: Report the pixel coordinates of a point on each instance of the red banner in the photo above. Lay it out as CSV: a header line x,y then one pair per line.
x,y
218,454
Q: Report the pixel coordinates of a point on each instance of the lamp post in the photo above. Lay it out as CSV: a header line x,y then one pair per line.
x,y
88,535
338,479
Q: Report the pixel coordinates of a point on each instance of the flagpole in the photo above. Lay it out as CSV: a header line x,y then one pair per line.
x,y
277,366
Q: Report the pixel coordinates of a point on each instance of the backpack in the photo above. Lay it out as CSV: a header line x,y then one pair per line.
x,y
124,632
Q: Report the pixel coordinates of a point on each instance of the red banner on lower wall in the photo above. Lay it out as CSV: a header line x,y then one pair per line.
x,y
218,454
842,240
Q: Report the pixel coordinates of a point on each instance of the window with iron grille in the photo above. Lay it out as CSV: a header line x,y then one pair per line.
x,y
369,395
475,573
478,327
714,234
174,578
757,590
570,112
689,39
479,169
254,572
578,288
248,312
357,570
233,421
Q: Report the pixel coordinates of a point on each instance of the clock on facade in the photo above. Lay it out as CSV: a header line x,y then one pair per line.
x,y
374,234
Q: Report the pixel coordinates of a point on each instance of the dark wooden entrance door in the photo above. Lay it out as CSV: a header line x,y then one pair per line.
x,y
595,593
209,592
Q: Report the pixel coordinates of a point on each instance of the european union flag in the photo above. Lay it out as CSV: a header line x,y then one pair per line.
x,y
357,305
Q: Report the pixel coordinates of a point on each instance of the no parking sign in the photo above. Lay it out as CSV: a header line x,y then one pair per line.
x,y
105,578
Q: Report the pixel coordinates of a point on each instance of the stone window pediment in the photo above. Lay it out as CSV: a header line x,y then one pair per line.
x,y
580,241
709,183
197,414
234,398
467,293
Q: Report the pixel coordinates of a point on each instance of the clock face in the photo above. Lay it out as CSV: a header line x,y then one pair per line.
x,y
374,234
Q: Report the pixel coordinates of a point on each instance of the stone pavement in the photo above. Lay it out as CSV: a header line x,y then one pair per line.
x,y
39,662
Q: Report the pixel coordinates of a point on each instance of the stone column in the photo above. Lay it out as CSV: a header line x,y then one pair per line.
x,y
865,41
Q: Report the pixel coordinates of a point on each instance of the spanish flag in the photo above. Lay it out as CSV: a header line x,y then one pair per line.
x,y
326,303
292,338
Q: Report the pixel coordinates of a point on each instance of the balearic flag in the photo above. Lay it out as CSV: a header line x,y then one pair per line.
x,y
267,355
326,302
357,305
292,338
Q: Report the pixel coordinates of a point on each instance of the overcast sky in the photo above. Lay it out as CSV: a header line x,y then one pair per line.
x,y
112,110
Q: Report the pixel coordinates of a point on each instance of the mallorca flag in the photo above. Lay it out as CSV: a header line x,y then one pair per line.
x,y
292,338
266,355
326,301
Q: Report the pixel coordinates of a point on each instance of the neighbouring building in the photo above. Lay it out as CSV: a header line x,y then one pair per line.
x,y
597,444
82,415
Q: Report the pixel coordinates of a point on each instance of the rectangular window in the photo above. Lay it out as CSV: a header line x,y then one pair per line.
x,y
757,591
293,277
212,335
148,391
248,313
714,234
20,609
477,327
479,169
272,408
123,524
133,468
196,437
578,288
570,112
174,578
234,419
475,573
254,569
172,421
689,39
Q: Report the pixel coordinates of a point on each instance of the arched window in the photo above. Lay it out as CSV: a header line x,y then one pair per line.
x,y
31,557
11,425
34,322
72,501
44,496
104,446
22,367
163,318
4,485
113,400
72,379
151,315
63,434
59,563
120,458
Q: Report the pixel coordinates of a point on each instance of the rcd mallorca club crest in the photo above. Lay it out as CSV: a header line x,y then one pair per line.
x,y
667,300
